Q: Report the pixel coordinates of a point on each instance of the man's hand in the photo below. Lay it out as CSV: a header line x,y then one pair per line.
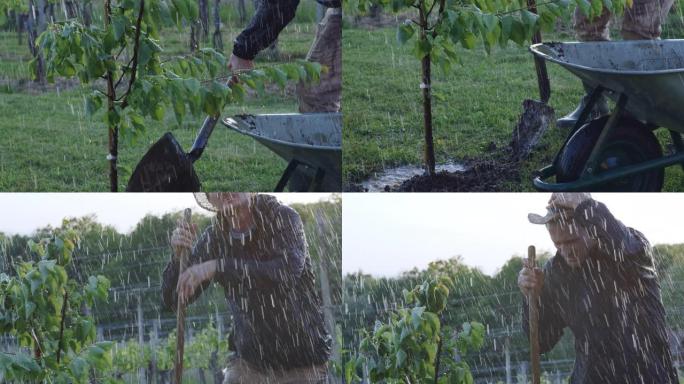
x,y
236,64
568,201
183,237
193,277
530,279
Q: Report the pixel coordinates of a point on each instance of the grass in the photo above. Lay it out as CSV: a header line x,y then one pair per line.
x,y
383,121
48,144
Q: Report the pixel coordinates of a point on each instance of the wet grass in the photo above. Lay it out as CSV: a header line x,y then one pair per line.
x,y
48,144
383,122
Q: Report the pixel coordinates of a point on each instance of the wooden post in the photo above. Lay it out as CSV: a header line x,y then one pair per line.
x,y
532,300
507,352
141,337
180,311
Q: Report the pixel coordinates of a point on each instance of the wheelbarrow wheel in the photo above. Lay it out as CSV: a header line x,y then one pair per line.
x,y
631,142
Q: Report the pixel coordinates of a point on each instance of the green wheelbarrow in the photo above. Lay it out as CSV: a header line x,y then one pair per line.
x,y
619,151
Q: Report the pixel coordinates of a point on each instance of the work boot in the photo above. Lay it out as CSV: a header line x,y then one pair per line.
x,y
600,109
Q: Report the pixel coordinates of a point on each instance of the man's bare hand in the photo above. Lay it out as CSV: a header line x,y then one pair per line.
x,y
183,237
530,279
568,200
236,65
193,277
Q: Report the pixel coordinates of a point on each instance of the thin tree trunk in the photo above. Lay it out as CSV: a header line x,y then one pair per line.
x,y
242,12
204,19
218,39
427,102
87,13
35,26
113,129
194,40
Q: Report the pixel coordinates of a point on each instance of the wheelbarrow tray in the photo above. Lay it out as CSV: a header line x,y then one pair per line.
x,y
650,73
313,139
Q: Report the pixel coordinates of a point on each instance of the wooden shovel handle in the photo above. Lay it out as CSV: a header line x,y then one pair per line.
x,y
532,300
539,63
180,311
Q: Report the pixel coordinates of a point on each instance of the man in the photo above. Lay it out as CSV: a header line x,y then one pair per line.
x,y
602,285
640,22
256,250
269,20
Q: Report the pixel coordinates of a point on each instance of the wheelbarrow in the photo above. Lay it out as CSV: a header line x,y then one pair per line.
x,y
311,144
619,151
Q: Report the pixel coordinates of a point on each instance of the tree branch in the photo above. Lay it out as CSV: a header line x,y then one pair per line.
x,y
61,324
134,69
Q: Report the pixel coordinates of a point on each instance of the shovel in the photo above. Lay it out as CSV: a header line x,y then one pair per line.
x,y
180,311
536,115
167,168
532,300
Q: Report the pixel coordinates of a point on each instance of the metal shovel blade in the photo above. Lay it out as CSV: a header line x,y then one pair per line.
x,y
164,168
534,121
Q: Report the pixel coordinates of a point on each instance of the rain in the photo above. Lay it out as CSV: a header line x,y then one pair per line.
x,y
617,318
271,306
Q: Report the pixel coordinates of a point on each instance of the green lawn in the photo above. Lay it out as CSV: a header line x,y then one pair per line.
x,y
48,144
383,105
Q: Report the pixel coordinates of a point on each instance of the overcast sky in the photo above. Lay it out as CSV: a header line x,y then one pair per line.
x,y
385,234
22,213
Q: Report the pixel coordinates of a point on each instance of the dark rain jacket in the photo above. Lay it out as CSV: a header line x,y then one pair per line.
x,y
612,305
269,286
269,20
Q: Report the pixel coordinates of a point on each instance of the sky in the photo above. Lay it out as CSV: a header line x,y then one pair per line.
x,y
22,213
386,234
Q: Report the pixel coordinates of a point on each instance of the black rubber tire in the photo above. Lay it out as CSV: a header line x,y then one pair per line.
x,y
631,142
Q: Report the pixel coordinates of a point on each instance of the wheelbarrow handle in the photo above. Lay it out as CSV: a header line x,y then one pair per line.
x,y
203,137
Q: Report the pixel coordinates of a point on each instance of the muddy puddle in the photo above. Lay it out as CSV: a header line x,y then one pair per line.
x,y
393,177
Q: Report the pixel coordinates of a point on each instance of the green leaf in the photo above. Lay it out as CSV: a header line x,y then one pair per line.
x,y
518,32
92,104
119,25
158,113
192,85
422,48
404,32
400,358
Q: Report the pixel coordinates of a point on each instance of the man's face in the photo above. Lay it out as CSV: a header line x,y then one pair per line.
x,y
224,201
572,241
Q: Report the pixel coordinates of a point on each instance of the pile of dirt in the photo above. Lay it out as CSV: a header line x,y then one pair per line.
x,y
494,171
490,174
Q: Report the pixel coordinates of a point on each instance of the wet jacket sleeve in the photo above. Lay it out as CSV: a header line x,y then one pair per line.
x,y
287,261
269,20
627,247
551,323
201,252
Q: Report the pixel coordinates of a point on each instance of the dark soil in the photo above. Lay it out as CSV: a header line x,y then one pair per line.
x,y
494,171
491,173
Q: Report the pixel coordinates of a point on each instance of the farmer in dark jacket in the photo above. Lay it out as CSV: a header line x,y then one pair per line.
x,y
256,250
269,20
603,286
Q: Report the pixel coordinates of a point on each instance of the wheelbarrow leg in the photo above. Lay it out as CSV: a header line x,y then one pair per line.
x,y
591,164
317,180
286,175
584,115
678,143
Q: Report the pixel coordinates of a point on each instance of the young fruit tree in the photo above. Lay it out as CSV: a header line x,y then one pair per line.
x,y
437,27
123,61
46,311
414,347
